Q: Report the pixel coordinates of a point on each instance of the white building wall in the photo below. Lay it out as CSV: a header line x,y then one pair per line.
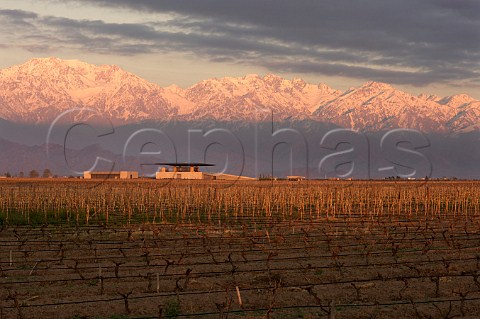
x,y
128,175
179,175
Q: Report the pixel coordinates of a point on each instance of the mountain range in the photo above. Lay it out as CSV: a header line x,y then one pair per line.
x,y
39,90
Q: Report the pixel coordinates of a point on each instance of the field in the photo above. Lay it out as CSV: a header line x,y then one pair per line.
x,y
312,249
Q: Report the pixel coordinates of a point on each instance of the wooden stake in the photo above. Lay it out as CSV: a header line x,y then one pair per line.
x,y
239,296
33,269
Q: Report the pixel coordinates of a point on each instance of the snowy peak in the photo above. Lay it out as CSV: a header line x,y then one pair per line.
x,y
457,100
379,106
66,70
325,89
370,88
40,89
175,89
251,97
377,86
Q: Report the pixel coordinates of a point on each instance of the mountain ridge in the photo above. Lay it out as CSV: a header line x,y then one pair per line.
x,y
40,89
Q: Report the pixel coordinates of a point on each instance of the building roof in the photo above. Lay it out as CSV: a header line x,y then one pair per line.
x,y
182,164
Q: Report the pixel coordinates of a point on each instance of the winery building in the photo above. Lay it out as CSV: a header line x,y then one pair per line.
x,y
192,171
181,171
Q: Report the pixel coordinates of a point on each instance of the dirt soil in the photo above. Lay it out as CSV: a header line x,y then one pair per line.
x,y
348,267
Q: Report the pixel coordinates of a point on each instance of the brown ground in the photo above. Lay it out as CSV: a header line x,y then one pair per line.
x,y
347,267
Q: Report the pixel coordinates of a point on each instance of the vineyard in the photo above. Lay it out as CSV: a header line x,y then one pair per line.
x,y
263,249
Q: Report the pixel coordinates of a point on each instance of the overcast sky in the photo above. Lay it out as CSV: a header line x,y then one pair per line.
x,y
428,46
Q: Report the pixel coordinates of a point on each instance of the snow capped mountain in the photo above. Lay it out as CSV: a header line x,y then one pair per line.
x,y
253,98
378,106
41,89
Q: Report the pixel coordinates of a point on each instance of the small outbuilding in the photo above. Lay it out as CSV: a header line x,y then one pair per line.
x,y
110,175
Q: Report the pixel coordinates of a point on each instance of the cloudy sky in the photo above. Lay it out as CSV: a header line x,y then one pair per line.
x,y
419,46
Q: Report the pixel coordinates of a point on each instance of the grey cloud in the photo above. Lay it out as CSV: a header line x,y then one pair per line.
x,y
390,76
381,40
430,35
16,19
17,14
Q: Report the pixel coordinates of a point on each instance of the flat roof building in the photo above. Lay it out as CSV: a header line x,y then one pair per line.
x,y
110,175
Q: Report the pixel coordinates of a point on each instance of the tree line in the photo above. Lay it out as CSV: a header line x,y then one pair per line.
x,y
47,173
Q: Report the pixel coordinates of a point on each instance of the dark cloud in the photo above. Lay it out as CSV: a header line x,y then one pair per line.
x,y
398,41
17,15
